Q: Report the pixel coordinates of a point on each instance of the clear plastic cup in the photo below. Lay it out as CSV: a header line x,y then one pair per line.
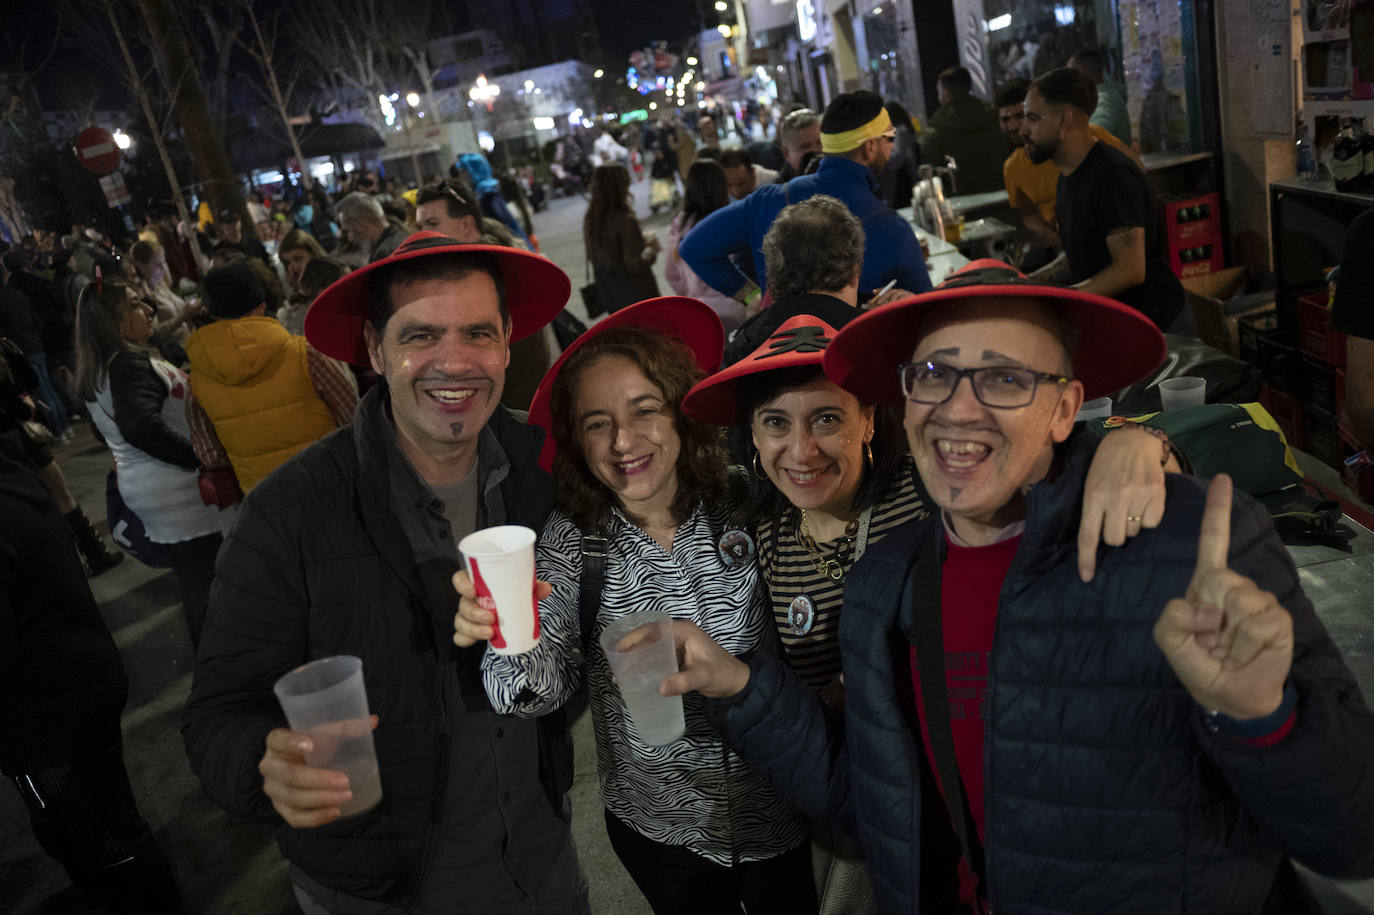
x,y
642,654
1183,391
326,701
1101,408
500,561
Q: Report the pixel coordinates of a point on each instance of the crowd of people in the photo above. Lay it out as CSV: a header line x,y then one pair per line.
x,y
941,647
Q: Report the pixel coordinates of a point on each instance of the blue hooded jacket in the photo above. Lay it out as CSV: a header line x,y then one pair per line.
x,y
477,167
489,192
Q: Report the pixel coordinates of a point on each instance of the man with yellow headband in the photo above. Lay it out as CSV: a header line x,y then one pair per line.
x,y
856,140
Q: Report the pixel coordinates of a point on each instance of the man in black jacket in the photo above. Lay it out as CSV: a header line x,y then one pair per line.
x,y
1158,737
348,548
62,688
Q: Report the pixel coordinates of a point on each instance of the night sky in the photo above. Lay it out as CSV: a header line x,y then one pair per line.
x,y
71,76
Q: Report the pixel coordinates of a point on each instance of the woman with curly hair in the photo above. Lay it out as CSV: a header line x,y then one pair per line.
x,y
696,829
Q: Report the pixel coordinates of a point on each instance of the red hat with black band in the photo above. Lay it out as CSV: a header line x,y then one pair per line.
x,y
689,320
1116,345
800,340
536,291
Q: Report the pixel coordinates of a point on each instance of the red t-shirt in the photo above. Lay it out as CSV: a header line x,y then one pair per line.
x,y
970,586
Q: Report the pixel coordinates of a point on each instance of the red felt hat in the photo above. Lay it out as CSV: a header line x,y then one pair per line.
x,y
1117,345
536,291
689,320
800,340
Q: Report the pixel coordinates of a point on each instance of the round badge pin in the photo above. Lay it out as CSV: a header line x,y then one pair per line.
x,y
736,548
801,613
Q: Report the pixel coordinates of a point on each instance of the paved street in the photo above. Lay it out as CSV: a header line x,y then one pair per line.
x,y
225,867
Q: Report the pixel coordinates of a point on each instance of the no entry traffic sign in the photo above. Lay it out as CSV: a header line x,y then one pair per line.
x,y
96,150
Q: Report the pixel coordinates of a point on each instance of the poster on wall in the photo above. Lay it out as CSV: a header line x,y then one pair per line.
x,y
1156,72
1325,20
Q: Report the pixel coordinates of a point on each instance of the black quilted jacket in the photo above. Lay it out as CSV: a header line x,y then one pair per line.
x,y
1105,792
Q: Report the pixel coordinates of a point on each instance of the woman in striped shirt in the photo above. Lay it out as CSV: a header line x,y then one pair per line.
x,y
695,827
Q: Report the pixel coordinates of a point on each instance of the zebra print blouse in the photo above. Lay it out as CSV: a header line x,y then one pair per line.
x,y
693,792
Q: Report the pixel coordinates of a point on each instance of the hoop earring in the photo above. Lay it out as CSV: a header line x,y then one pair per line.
x,y
758,467
868,452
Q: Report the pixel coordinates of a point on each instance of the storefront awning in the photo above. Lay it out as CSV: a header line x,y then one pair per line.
x,y
250,148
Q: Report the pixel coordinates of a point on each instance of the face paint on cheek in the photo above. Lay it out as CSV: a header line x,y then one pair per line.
x,y
456,429
954,493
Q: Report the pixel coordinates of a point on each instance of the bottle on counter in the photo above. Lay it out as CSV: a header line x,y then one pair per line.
x,y
1347,160
1307,157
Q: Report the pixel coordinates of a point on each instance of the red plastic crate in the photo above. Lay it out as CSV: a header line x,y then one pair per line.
x,y
1203,255
1191,221
1315,336
1287,412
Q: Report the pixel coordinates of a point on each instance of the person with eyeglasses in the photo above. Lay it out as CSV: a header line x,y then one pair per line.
x,y
1163,735
832,477
857,138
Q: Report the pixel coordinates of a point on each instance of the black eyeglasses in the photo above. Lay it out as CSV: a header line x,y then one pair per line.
x,y
1001,387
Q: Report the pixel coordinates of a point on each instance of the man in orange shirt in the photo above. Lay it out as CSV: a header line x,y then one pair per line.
x,y
1032,188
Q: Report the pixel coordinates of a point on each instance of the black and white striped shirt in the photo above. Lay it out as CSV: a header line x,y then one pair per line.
x,y
692,792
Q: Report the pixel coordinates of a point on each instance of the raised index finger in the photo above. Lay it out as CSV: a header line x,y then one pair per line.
x,y
1214,541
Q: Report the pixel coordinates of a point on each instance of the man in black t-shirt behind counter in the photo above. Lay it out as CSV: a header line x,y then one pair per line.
x,y
1108,218
1352,313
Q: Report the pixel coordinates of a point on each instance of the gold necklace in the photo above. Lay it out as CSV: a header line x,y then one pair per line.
x,y
831,567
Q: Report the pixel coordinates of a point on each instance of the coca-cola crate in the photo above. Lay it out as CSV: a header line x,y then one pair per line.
x,y
1189,221
1202,255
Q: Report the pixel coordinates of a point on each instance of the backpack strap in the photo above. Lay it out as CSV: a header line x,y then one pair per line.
x,y
594,552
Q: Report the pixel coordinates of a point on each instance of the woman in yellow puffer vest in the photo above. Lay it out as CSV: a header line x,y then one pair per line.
x,y
267,393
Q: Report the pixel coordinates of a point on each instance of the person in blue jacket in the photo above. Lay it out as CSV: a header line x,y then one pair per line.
x,y
856,140
489,194
1020,735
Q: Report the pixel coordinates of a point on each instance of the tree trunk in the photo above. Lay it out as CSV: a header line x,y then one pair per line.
x,y
154,128
197,127
269,76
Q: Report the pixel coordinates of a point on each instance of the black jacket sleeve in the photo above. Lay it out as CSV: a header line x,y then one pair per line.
x,y
138,395
777,724
255,630
1313,793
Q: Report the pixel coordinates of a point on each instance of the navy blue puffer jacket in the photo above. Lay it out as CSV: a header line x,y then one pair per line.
x,y
1105,791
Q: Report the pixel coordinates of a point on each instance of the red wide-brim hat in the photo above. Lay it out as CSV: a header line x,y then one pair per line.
x,y
689,320
536,291
1117,345
800,340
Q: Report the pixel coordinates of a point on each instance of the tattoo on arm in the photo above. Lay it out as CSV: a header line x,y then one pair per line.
x,y
1123,239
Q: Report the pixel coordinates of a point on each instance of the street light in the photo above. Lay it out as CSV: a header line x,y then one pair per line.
x,y
413,99
721,6
122,139
691,61
484,91
598,74
724,30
